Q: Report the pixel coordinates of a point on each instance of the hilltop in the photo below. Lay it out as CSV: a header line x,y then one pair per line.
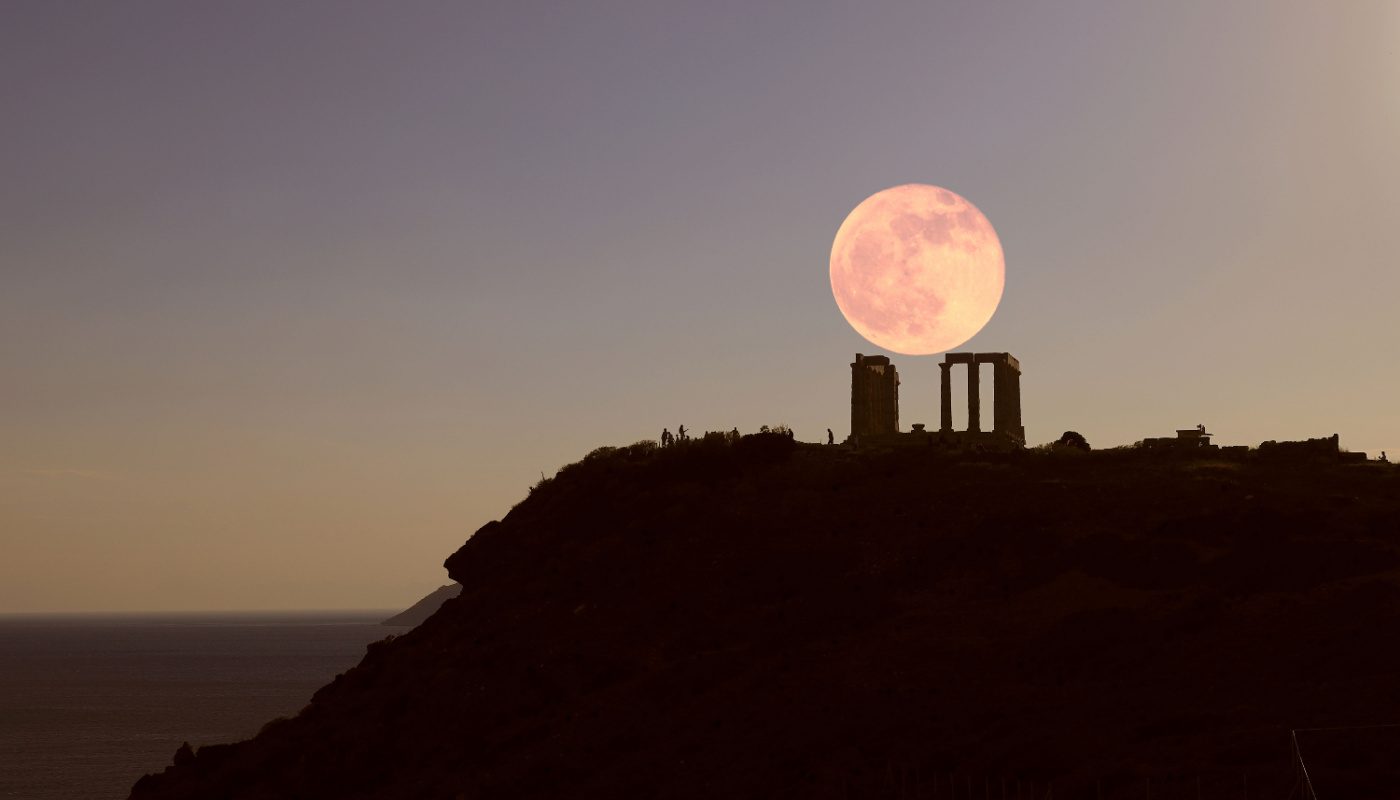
x,y
759,618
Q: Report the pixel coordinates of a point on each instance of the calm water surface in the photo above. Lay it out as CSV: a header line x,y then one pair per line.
x,y
88,704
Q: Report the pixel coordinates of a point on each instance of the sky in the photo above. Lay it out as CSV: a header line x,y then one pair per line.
x,y
294,296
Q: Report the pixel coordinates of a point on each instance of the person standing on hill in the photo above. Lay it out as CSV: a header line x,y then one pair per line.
x,y
830,437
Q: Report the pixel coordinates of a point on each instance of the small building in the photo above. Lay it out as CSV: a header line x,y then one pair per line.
x,y
1193,437
1196,438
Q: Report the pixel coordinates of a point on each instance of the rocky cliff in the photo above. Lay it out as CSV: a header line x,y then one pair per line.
x,y
763,619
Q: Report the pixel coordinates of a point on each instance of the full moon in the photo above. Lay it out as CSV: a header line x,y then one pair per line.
x,y
917,269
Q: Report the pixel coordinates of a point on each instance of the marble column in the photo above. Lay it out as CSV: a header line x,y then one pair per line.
x,y
945,398
974,398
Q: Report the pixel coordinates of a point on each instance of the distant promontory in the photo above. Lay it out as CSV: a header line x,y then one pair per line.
x,y
424,608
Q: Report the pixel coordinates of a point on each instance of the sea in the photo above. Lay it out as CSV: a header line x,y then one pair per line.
x,y
88,704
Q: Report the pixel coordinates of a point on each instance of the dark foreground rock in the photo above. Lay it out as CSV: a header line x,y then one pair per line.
x,y
767,620
421,610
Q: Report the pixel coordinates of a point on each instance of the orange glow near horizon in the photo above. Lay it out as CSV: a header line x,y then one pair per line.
x,y
917,269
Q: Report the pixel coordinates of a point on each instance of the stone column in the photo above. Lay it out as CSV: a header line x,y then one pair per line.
x,y
860,400
998,396
974,397
945,397
1013,380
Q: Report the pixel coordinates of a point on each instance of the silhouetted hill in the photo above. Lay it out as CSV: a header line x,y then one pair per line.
x,y
760,619
424,608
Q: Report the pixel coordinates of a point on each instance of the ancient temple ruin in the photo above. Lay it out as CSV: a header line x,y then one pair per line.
x,y
875,403
874,397
1006,395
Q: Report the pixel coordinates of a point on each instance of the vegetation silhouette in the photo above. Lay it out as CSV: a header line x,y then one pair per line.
x,y
1073,439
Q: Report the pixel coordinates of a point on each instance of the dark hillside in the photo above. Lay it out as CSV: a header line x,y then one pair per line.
x,y
767,620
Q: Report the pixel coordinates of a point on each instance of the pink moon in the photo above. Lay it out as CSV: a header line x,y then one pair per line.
x,y
917,269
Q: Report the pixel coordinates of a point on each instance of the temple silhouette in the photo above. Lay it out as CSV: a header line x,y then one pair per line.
x,y
875,403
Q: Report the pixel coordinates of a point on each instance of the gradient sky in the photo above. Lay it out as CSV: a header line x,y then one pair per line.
x,y
296,295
